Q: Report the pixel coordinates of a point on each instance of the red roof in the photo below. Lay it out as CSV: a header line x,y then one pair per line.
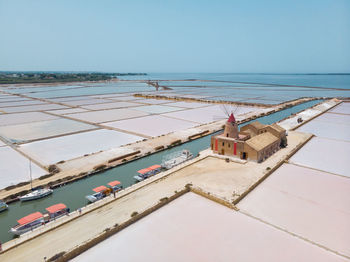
x,y
114,183
99,189
231,119
154,167
144,171
55,208
29,218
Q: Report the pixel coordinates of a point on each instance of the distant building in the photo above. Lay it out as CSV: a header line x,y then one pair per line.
x,y
255,141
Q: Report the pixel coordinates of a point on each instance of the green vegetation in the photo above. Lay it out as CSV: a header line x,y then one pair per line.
x,y
53,77
135,213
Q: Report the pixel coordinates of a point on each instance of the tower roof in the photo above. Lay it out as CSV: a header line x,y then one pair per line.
x,y
231,119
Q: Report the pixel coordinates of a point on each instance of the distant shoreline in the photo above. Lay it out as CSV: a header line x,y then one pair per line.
x,y
52,77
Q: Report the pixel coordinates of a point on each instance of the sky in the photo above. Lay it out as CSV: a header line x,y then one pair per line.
x,y
246,36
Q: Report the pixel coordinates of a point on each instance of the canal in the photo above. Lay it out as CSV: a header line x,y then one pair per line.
x,y
73,195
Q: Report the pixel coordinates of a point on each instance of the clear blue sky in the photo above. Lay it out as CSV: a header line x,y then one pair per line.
x,y
176,36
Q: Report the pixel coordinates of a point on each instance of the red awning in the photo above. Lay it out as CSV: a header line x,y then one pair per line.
x,y
55,208
99,189
154,167
29,218
144,171
114,183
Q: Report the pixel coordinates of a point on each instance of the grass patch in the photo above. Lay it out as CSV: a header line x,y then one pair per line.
x,y
135,213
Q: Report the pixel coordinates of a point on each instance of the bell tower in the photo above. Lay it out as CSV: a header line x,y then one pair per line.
x,y
231,128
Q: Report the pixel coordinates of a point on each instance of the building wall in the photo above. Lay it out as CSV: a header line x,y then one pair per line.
x,y
252,154
228,146
262,154
224,146
275,132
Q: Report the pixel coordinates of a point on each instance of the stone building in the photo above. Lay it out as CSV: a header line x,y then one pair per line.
x,y
254,141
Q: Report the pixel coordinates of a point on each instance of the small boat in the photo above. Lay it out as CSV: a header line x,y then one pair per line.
x,y
101,192
3,206
115,186
55,211
28,223
147,172
36,194
176,158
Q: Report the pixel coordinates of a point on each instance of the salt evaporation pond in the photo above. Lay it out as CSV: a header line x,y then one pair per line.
x,y
73,195
285,200
22,133
194,219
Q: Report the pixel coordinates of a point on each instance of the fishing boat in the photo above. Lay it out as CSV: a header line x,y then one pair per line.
x,y
101,192
176,158
115,186
147,172
36,193
28,223
3,206
55,211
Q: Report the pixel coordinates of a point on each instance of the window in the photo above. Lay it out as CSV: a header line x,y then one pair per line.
x,y
223,143
229,145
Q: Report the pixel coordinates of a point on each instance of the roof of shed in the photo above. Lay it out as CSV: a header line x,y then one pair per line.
x,y
278,128
261,141
257,125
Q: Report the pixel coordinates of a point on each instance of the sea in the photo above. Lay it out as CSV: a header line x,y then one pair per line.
x,y
336,81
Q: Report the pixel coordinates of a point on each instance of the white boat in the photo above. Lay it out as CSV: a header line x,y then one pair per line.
x,y
115,186
3,206
28,223
36,194
147,172
101,192
176,158
55,211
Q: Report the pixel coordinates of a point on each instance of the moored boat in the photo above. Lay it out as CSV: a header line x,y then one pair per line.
x,y
28,223
143,174
36,194
3,206
147,172
101,192
176,158
55,211
115,186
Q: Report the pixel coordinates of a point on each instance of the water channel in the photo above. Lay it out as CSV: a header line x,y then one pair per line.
x,y
73,195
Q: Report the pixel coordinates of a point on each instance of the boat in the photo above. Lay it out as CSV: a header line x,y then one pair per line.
x,y
36,193
101,192
176,158
147,172
28,223
55,211
115,186
3,206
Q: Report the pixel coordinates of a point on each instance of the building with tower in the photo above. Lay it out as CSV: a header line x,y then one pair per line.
x,y
254,141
